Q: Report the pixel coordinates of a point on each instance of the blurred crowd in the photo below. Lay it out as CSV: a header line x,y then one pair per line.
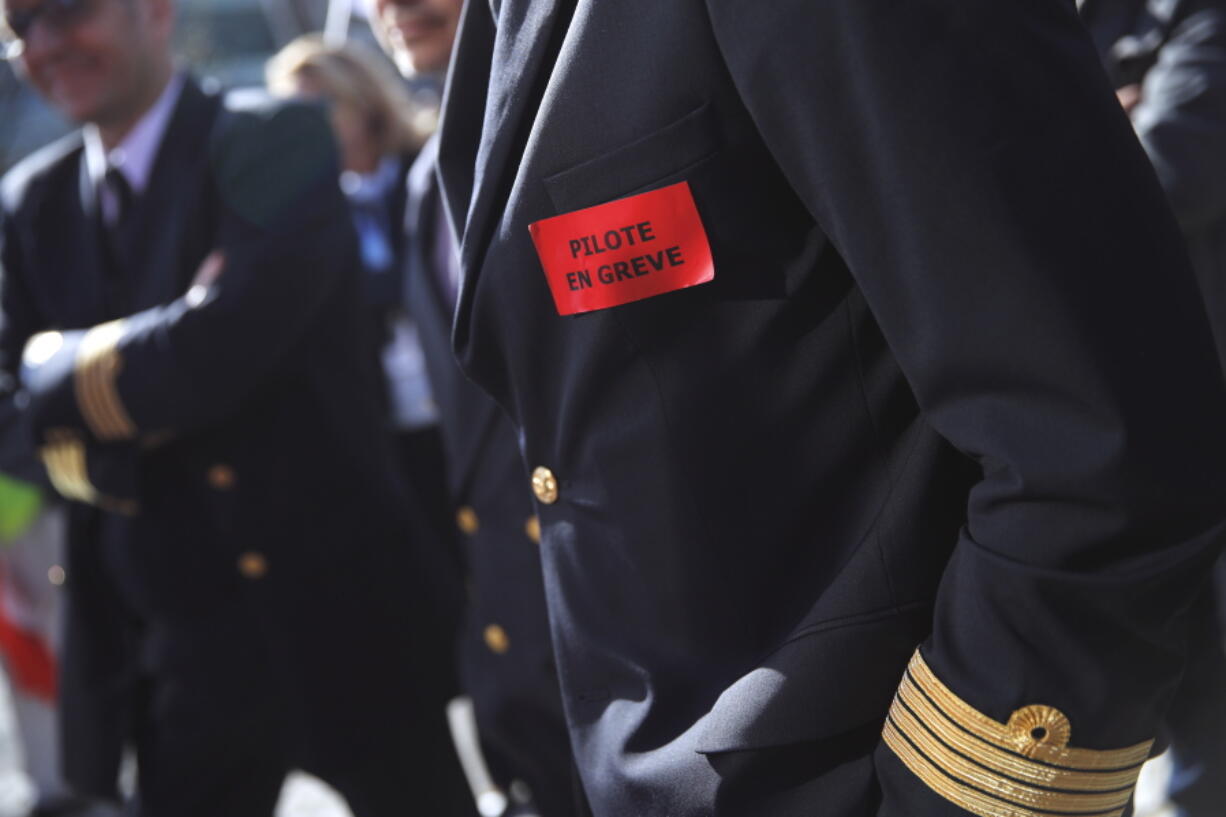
x,y
227,318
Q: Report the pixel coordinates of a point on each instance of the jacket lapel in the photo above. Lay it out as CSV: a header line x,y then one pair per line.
x,y
523,50
81,258
173,217
421,218
469,414
529,37
459,135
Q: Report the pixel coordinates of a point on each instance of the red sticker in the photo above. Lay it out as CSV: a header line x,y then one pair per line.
x,y
624,251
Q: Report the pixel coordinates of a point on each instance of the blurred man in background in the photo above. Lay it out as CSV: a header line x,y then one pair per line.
x,y
1167,61
373,120
507,655
181,339
375,125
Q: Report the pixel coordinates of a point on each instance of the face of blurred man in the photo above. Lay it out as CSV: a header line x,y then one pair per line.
x,y
97,61
419,33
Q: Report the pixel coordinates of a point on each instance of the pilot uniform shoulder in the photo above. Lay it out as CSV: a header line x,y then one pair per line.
x,y
39,169
270,156
258,103
252,111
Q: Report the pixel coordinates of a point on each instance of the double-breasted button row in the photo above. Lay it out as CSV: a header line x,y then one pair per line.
x,y
469,523
252,565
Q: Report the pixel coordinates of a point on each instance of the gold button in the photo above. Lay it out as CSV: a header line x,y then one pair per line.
x,y
466,520
496,639
545,485
222,477
253,565
533,529
57,575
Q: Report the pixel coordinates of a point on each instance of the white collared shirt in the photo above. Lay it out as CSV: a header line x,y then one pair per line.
x,y
134,156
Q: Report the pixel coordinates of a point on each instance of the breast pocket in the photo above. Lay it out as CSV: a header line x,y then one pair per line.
x,y
665,156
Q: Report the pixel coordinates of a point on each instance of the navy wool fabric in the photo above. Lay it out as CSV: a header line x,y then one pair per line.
x,y
952,384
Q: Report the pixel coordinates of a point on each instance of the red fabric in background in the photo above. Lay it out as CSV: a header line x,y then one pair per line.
x,y
29,661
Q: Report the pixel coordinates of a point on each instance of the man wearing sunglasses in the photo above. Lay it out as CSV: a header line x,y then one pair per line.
x,y
98,79
180,343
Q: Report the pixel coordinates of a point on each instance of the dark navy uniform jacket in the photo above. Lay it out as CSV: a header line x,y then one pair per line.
x,y
230,430
951,386
507,656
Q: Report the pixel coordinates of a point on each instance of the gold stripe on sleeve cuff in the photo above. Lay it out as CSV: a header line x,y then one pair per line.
x,y
64,458
98,365
1023,768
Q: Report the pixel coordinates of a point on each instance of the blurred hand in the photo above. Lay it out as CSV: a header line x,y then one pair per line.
x,y
206,275
1128,96
210,269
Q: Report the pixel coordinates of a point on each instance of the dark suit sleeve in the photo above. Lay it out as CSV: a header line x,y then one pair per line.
x,y
19,319
971,164
287,240
1181,118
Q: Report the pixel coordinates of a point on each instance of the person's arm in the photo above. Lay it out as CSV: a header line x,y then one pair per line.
x,y
286,240
1180,114
970,163
102,475
19,319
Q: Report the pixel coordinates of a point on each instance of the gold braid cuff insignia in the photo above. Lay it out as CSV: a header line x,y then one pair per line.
x,y
98,365
1022,768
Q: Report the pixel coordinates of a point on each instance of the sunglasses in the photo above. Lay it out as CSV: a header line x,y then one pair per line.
x,y
59,15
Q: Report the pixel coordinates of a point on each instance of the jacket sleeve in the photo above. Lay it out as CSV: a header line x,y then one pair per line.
x,y
99,474
287,240
970,163
19,319
1181,118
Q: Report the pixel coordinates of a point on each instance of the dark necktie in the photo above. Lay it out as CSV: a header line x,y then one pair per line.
x,y
119,239
117,183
